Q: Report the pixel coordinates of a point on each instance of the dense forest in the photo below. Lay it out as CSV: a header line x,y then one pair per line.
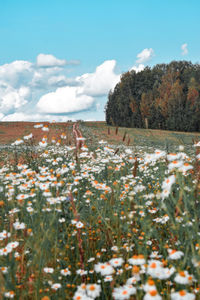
x,y
166,96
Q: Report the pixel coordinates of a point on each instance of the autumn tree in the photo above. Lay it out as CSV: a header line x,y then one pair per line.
x,y
167,96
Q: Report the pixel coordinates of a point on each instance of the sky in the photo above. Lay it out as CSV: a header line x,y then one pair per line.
x,y
59,59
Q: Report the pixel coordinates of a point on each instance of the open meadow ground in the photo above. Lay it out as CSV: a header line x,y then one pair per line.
x,y
95,131
89,211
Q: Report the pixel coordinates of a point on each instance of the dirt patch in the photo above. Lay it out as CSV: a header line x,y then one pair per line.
x,y
11,131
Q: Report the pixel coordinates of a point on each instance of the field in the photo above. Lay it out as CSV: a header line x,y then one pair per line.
x,y
89,211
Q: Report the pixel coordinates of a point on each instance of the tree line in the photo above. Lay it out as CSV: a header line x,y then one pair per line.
x,y
166,96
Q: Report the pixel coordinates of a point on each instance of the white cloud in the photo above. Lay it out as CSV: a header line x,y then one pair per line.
x,y
16,72
48,61
20,116
21,82
24,91
101,81
11,98
65,100
60,80
145,56
46,78
44,88
138,68
184,49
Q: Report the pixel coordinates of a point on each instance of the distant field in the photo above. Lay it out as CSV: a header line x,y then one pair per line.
x,y
138,137
94,131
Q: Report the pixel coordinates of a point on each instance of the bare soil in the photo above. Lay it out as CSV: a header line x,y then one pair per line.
x,y
11,131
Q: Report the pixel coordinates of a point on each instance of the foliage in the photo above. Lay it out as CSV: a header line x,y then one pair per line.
x,y
164,97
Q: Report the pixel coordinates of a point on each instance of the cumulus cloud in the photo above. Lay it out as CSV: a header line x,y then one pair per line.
x,y
145,56
47,78
65,100
184,49
20,116
57,81
49,61
101,81
11,98
138,68
70,99
45,88
22,82
16,72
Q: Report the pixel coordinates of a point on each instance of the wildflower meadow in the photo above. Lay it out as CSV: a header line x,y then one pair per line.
x,y
83,222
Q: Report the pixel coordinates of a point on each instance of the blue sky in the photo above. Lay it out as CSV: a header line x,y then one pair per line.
x,y
59,59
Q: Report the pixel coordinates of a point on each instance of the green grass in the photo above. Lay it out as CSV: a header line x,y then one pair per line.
x,y
80,208
168,140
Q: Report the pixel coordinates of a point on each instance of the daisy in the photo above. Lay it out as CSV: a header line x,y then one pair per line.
x,y
38,126
63,136
175,164
65,272
137,260
4,270
104,269
182,295
154,268
185,167
61,220
167,183
22,196
79,225
182,277
93,290
149,286
174,254
9,294
80,296
165,193
13,245
44,186
91,259
4,234
81,272
166,273
108,278
56,286
133,279
28,137
152,295
45,128
42,144
116,262
123,292
18,142
17,225
29,209
159,153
